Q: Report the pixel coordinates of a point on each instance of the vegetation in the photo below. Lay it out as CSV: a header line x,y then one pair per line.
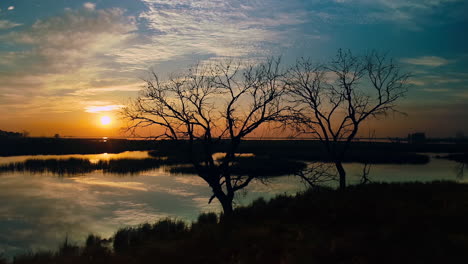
x,y
400,223
307,150
73,166
206,104
458,157
8,134
255,166
47,146
331,101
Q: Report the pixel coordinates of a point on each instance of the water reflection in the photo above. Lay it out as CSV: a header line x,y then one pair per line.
x,y
38,210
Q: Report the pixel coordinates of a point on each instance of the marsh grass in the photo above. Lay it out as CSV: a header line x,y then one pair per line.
x,y
458,157
263,166
57,166
74,166
368,153
374,223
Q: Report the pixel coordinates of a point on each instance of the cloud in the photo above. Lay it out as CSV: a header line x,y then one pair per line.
x,y
5,24
73,40
90,6
412,15
436,90
102,108
415,82
131,87
212,28
60,55
432,61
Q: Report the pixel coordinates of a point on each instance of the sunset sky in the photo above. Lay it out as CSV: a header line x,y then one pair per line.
x,y
68,66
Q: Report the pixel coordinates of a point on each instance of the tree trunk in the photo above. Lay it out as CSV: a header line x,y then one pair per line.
x,y
342,174
224,199
226,203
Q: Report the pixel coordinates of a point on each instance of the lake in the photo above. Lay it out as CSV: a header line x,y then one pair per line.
x,y
39,210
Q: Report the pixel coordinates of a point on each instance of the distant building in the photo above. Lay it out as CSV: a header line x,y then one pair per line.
x,y
417,138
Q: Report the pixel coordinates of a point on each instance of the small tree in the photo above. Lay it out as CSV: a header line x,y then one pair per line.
x,y
331,101
209,103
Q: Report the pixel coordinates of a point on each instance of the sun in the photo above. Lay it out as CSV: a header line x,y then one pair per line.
x,y
105,120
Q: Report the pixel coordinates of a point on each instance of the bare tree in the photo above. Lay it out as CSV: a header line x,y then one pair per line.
x,y
209,103
317,174
332,101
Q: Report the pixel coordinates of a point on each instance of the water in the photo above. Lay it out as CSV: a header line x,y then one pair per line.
x,y
39,210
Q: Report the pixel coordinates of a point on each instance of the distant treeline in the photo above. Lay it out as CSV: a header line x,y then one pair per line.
x,y
48,146
8,134
308,150
305,150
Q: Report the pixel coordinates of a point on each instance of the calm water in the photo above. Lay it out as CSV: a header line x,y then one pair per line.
x,y
39,210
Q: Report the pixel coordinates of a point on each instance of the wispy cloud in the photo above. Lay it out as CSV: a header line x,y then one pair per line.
x,y
6,24
410,14
432,61
90,6
102,108
63,55
211,28
66,42
415,82
436,90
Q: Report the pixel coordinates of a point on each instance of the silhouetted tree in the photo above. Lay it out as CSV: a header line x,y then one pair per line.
x,y
331,101
206,104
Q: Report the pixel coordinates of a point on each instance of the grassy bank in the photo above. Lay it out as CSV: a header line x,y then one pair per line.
x,y
377,223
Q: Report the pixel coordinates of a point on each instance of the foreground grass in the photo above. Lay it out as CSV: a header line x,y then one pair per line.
x,y
377,223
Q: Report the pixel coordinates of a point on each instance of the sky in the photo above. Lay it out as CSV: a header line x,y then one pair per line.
x,y
65,64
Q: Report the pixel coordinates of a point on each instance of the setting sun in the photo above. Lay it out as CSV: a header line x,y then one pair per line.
x,y
132,131
105,120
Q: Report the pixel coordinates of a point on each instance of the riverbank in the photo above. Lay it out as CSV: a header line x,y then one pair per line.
x,y
377,223
295,148
59,146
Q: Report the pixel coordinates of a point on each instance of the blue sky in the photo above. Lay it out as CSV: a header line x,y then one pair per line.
x,y
65,63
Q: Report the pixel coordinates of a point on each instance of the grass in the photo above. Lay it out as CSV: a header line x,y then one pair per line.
x,y
255,166
376,223
458,157
58,166
73,166
373,153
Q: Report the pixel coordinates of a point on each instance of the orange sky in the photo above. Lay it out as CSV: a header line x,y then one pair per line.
x,y
65,64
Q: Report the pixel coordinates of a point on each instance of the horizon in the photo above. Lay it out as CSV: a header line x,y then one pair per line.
x,y
68,67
